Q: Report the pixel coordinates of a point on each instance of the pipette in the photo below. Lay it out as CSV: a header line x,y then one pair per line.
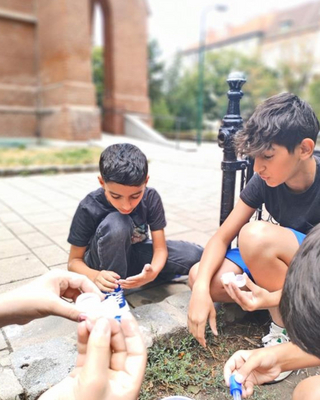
x,y
235,388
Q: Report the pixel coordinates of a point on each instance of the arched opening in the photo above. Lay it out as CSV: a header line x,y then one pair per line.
x,y
119,28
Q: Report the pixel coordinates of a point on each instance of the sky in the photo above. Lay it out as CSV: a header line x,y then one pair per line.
x,y
176,23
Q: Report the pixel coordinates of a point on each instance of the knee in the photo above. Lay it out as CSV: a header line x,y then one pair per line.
x,y
193,275
308,389
254,237
116,226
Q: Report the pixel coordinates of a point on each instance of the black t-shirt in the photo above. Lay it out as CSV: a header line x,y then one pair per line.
x,y
299,211
95,207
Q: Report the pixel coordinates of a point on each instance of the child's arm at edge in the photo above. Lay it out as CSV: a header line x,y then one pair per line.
x,y
201,307
76,263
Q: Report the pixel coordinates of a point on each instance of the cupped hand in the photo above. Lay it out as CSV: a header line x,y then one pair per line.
x,y
256,298
148,274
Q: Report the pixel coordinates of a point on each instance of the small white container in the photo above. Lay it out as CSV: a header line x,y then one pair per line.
x,y
176,398
239,279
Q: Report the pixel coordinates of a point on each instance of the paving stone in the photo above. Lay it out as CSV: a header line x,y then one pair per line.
x,y
12,247
61,240
11,286
19,228
3,343
4,209
19,268
46,218
5,234
35,239
39,331
55,228
10,216
201,238
174,227
157,320
155,294
51,255
40,366
10,388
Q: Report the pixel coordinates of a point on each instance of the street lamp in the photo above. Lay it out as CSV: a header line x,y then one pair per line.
x,y
201,51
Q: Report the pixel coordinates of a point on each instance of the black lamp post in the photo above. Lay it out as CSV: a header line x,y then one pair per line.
x,y
232,122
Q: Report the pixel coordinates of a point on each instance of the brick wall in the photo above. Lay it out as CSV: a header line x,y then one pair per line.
x,y
45,67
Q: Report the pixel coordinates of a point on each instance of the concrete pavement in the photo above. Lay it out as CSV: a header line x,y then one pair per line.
x,y
35,216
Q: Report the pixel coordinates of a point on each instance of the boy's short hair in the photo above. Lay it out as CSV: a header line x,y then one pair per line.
x,y
283,119
123,163
300,301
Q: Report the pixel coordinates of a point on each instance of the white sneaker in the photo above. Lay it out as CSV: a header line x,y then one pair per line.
x,y
277,335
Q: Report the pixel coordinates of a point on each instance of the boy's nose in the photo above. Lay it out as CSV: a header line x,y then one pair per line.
x,y
126,205
258,165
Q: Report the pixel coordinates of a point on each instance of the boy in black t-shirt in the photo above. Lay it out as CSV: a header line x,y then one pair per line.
x,y
280,136
109,234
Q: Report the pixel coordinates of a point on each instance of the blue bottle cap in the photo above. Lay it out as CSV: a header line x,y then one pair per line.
x,y
234,385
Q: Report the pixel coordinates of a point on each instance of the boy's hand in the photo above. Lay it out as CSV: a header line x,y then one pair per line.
x,y
201,308
252,367
148,274
107,281
256,299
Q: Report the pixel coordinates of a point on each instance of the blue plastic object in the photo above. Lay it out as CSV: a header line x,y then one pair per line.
x,y
235,388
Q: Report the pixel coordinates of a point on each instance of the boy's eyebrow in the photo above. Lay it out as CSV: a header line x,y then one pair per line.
x,y
132,194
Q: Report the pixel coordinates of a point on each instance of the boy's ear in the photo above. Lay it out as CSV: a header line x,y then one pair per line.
x,y
306,148
147,179
101,181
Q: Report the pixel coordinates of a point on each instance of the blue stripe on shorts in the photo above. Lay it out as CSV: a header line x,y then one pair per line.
x,y
235,256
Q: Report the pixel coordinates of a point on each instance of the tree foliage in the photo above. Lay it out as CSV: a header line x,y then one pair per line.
x,y
98,73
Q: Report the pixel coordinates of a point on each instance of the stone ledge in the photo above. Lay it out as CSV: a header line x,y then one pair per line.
x,y
58,169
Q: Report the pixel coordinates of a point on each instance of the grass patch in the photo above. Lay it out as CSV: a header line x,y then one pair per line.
x,y
25,157
180,366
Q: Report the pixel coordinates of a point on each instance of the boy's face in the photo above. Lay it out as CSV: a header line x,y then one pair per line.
x,y
277,165
124,198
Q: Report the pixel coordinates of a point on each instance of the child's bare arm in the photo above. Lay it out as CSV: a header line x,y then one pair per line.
x,y
105,280
201,306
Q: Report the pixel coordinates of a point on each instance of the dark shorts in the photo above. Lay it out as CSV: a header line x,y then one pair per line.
x,y
235,256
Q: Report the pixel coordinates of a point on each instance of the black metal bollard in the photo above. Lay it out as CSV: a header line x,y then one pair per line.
x,y
232,122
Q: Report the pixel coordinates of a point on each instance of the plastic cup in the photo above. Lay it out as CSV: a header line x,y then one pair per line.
x,y
177,398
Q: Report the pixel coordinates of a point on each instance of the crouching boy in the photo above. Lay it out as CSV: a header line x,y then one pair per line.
x,y
109,236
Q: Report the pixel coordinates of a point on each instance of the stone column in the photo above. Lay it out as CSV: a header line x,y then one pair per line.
x,y
66,98
126,57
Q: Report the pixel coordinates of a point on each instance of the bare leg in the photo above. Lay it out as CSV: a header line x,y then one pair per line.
x,y
308,389
216,288
267,250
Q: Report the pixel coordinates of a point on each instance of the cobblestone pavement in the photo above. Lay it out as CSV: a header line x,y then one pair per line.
x,y
35,216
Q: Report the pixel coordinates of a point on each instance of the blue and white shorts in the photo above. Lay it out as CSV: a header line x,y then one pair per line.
x,y
235,256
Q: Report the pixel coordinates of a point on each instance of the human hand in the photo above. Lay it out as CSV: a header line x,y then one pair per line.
x,y
42,297
257,298
107,281
110,365
148,274
201,309
252,367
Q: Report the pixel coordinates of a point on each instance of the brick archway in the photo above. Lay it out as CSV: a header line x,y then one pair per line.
x,y
125,60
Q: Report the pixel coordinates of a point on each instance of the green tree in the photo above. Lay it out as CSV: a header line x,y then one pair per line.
x,y
314,95
98,73
155,71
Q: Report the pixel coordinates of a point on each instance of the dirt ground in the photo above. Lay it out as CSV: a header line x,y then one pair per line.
x,y
180,366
